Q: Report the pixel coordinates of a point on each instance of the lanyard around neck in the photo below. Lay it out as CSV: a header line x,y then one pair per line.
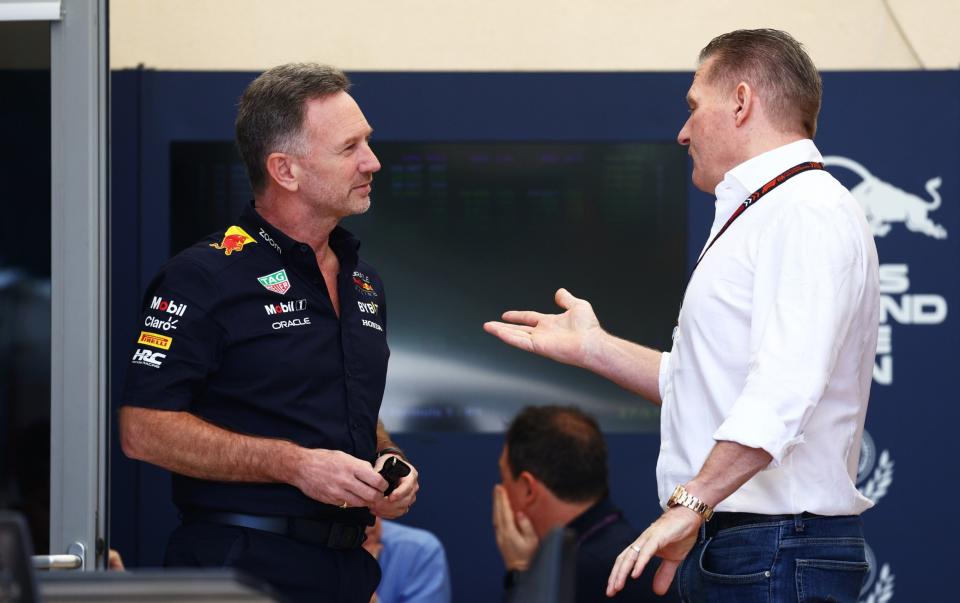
x,y
747,204
756,196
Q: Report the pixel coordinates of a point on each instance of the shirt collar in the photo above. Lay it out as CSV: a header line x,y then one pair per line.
x,y
273,238
600,511
741,181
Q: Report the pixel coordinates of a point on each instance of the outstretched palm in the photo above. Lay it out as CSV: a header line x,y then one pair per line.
x,y
562,337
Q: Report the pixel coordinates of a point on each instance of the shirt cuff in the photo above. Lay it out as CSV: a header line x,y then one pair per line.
x,y
756,427
664,370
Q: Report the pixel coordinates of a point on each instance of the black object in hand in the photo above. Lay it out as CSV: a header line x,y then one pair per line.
x,y
393,471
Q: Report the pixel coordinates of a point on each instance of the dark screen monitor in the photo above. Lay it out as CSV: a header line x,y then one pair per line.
x,y
17,584
462,231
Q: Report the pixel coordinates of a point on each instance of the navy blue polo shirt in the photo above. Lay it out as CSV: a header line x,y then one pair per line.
x,y
239,330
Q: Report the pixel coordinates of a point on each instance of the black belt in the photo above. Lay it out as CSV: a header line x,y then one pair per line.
x,y
314,531
727,520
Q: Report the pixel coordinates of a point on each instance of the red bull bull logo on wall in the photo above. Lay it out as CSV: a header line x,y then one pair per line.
x,y
884,204
233,240
887,207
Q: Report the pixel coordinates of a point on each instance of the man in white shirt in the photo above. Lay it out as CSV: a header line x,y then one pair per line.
x,y
765,390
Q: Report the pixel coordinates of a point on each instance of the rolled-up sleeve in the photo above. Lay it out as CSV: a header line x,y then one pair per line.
x,y
806,287
664,372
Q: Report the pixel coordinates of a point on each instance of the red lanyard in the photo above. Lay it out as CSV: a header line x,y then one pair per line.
x,y
747,203
756,196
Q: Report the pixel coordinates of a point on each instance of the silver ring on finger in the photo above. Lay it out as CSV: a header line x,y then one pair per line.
x,y
635,548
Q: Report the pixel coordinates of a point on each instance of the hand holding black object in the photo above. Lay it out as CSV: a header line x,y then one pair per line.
x,y
393,471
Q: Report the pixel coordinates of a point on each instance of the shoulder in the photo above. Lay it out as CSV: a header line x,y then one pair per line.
x,y
595,559
367,281
408,537
367,268
819,206
220,250
606,544
208,267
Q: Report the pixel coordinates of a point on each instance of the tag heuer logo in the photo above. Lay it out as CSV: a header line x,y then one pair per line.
x,y
276,282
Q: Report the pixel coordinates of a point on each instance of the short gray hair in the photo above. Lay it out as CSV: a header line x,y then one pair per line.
x,y
775,64
271,112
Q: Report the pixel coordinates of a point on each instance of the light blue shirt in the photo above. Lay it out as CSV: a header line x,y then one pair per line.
x,y
414,566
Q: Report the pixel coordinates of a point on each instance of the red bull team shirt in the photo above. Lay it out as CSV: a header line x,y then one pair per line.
x,y
239,330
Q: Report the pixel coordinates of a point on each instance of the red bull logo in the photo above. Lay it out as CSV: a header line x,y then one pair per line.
x,y
361,282
884,204
233,240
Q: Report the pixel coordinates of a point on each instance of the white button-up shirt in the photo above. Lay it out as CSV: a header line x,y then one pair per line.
x,y
776,342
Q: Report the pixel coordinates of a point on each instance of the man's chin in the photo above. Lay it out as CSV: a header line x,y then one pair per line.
x,y
360,206
701,183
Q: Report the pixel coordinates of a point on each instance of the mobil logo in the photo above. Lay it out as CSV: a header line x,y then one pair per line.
x,y
298,305
168,305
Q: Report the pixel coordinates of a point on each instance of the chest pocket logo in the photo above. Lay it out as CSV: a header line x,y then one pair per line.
x,y
361,282
276,282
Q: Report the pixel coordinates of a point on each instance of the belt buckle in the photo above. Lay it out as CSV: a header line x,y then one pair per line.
x,y
344,536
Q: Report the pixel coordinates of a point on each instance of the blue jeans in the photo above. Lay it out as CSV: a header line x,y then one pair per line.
x,y
799,560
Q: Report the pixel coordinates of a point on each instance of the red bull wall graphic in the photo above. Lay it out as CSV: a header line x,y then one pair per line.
x,y
903,173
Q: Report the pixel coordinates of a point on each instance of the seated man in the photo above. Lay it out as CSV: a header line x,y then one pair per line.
x,y
553,472
412,562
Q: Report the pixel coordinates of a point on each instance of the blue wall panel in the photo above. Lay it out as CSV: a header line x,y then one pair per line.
x,y
904,128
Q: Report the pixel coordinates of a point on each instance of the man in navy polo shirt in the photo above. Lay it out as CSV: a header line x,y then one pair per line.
x,y
259,369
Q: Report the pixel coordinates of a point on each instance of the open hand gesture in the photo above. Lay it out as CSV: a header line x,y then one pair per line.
x,y
568,337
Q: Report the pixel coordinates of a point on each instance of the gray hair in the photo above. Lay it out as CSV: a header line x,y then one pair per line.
x,y
776,65
271,112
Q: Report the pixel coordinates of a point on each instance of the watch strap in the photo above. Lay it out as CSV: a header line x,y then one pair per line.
x,y
682,498
395,451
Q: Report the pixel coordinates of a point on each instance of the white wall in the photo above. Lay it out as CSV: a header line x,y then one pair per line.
x,y
519,35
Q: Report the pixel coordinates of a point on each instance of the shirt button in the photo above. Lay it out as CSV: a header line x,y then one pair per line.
x,y
355,425
304,248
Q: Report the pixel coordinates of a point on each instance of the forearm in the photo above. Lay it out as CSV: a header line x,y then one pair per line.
x,y
631,366
728,466
188,445
383,438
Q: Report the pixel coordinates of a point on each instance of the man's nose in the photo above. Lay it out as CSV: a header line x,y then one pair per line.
x,y
369,163
683,137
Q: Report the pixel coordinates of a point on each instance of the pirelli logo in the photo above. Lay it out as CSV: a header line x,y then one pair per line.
x,y
155,340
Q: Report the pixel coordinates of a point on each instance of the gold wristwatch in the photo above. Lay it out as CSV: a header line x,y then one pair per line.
x,y
683,498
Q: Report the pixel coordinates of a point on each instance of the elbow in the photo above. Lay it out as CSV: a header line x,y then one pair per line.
x,y
132,433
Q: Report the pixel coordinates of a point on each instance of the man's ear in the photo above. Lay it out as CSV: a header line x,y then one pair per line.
x,y
745,99
281,168
530,488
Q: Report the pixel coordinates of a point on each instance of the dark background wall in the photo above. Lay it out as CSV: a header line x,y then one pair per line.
x,y
903,127
25,293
